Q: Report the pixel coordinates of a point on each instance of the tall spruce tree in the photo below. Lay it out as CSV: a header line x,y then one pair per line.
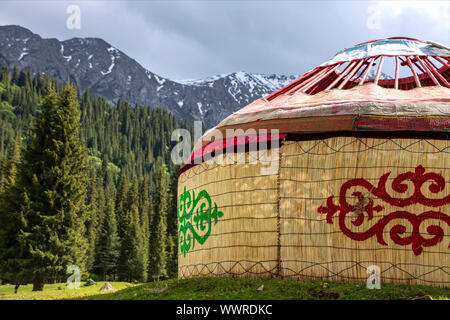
x,y
158,226
172,225
108,245
144,220
95,204
10,222
133,261
8,170
129,259
121,199
51,190
15,75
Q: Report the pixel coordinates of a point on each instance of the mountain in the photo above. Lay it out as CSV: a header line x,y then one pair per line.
x,y
107,71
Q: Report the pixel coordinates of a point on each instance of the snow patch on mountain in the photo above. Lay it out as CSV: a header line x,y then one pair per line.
x,y
113,63
199,105
114,55
202,81
68,58
23,54
160,80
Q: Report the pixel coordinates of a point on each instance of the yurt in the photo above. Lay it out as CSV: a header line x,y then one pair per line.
x,y
343,172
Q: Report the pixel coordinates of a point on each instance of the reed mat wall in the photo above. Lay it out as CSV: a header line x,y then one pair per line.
x,y
333,208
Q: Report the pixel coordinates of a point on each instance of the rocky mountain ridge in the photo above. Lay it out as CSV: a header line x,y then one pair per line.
x,y
108,71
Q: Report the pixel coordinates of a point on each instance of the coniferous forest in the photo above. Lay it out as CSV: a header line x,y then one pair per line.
x,y
85,183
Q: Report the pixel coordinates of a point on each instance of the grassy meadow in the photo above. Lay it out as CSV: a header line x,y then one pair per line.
x,y
55,291
227,288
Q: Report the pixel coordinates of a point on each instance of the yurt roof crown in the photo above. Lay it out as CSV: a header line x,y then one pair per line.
x,y
428,64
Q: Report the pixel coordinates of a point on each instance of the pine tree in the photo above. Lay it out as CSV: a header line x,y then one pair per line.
x,y
8,170
172,225
158,226
129,247
51,189
121,198
144,218
15,75
21,81
95,204
133,260
108,245
4,76
10,223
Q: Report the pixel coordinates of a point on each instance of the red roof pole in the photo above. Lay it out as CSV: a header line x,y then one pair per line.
x,y
311,84
379,70
367,70
416,77
436,72
428,62
366,64
293,84
321,85
428,72
309,80
443,62
414,60
350,75
396,73
343,73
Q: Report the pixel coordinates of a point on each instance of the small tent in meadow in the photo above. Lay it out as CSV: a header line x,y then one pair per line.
x,y
344,169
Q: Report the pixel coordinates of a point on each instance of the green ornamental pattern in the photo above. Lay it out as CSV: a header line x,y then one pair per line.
x,y
201,210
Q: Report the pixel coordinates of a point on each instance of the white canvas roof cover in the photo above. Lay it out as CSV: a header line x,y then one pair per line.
x,y
389,47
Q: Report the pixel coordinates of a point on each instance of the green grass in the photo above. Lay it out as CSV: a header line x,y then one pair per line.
x,y
226,288
51,291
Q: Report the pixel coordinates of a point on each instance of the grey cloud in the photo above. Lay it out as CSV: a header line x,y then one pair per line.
x,y
193,39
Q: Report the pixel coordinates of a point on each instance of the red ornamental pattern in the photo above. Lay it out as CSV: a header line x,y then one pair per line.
x,y
365,206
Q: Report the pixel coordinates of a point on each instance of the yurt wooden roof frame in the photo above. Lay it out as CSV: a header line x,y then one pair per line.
x,y
327,77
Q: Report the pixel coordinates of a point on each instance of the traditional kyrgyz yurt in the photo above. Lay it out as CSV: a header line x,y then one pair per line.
x,y
344,169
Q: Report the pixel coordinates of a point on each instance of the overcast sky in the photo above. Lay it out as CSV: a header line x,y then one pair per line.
x,y
196,39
